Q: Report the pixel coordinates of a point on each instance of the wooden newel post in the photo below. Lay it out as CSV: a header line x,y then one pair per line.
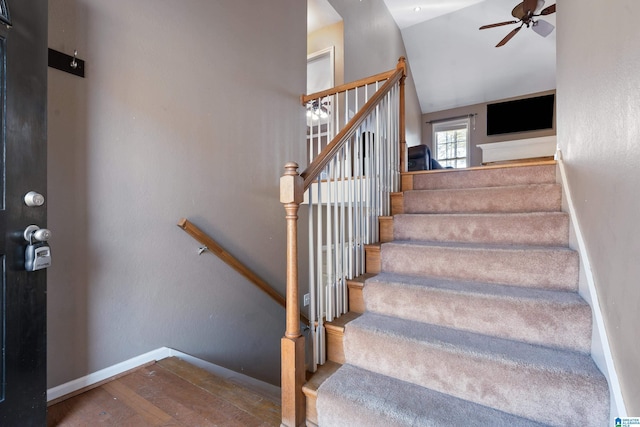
x,y
401,128
292,344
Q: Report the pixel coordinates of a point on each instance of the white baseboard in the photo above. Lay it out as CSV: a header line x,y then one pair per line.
x,y
106,373
265,389
70,387
600,351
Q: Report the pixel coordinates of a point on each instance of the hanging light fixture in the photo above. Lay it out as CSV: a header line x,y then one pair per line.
x,y
317,109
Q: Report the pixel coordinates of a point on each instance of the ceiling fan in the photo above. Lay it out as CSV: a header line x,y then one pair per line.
x,y
525,12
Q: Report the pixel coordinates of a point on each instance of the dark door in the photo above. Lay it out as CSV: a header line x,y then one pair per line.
x,y
23,92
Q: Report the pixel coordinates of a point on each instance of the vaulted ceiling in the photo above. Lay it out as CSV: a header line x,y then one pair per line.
x,y
455,64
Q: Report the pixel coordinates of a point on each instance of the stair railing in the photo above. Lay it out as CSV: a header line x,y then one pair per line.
x,y
233,262
346,186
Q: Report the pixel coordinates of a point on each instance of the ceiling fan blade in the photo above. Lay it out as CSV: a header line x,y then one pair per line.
x,y
529,6
548,10
499,24
518,11
509,36
542,27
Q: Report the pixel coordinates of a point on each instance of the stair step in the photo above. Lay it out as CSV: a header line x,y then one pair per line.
x,y
517,198
355,286
534,266
487,177
372,263
310,388
539,383
356,397
386,228
539,228
335,336
551,318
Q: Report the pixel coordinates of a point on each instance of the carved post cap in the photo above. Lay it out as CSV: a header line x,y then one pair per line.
x,y
291,168
291,185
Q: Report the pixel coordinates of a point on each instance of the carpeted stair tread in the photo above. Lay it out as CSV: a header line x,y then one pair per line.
x,y
517,198
544,384
553,318
486,177
474,317
536,266
356,397
535,228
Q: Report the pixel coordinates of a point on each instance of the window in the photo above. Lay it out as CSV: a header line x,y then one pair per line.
x,y
451,143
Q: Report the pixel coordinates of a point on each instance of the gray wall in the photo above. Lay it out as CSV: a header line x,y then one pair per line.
x,y
479,134
372,44
598,88
189,109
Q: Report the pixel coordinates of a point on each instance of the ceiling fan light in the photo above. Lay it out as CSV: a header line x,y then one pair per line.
x,y
542,27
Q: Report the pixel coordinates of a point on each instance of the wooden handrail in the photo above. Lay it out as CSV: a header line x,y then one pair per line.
x,y
318,164
347,86
292,187
234,263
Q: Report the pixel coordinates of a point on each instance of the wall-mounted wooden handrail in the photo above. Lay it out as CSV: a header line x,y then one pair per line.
x,y
234,263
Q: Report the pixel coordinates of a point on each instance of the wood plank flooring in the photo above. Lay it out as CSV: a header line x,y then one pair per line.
x,y
170,392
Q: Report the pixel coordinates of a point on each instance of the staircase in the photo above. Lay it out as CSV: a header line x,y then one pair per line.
x,y
474,317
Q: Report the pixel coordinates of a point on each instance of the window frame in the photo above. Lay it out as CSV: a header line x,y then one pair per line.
x,y
451,125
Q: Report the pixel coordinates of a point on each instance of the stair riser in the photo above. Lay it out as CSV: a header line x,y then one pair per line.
x,y
335,346
356,300
546,269
512,229
553,397
566,326
537,198
485,178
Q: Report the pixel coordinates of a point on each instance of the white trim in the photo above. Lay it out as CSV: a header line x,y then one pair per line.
x,y
600,350
318,56
528,148
106,373
268,390
65,389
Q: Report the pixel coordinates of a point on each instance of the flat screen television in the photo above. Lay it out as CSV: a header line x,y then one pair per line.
x,y
522,115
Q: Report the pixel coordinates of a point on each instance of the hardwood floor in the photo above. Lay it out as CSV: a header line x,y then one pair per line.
x,y
170,392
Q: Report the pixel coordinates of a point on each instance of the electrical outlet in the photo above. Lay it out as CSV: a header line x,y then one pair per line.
x,y
307,299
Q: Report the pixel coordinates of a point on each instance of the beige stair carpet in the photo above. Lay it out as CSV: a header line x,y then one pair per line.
x,y
475,318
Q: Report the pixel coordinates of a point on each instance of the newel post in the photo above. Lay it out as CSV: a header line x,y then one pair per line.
x,y
402,65
292,344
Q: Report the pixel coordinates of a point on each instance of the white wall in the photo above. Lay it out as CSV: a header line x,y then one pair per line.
x,y
598,93
189,109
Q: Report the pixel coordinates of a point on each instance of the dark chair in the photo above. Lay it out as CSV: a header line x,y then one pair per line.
x,y
419,159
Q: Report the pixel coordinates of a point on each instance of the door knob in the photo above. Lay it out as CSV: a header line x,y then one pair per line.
x,y
33,232
33,199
